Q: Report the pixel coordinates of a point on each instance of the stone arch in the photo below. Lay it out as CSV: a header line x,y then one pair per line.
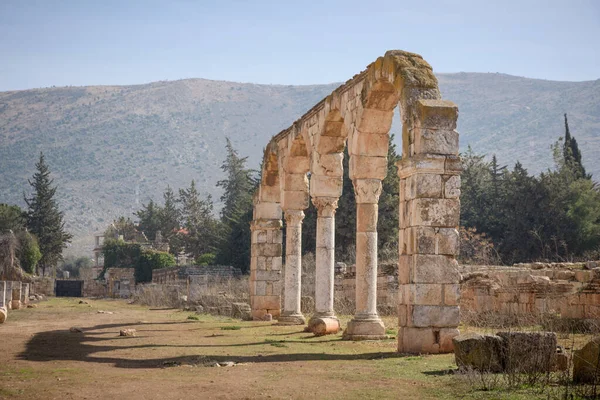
x,y
360,112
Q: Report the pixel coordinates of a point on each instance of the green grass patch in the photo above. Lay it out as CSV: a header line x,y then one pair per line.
x,y
193,317
276,343
231,328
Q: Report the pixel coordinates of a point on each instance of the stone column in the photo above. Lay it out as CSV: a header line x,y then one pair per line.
x,y
428,236
292,314
16,295
366,324
3,308
25,294
324,320
266,260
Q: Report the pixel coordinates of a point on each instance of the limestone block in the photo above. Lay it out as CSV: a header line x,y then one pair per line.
x,y
417,341
258,288
366,217
381,99
402,314
479,352
423,164
298,165
277,236
366,167
269,249
451,294
261,263
267,211
434,269
452,187
446,339
375,121
326,186
3,314
528,351
265,302
295,200
453,165
437,114
331,144
15,304
328,164
276,263
436,141
333,128
324,326
269,193
296,182
259,236
425,293
436,316
435,212
425,186
448,241
370,144
265,275
404,269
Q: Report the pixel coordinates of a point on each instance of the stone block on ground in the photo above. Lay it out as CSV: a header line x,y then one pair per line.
x,y
478,352
585,362
3,314
528,351
127,332
241,311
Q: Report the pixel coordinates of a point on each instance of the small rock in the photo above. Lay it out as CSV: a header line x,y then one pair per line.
x,y
268,317
31,305
226,364
74,329
105,312
585,362
478,352
83,302
199,310
127,332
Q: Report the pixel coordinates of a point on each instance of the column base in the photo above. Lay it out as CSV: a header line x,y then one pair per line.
x,y
365,329
291,319
323,325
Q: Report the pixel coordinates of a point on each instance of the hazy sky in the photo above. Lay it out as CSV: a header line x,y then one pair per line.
x,y
85,42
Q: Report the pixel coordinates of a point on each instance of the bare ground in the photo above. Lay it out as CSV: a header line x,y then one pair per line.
x,y
173,357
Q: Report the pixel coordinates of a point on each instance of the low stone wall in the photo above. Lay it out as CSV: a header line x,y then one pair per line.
x,y
561,289
44,286
94,288
199,275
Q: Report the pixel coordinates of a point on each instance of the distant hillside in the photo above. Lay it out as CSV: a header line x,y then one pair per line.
x,y
111,148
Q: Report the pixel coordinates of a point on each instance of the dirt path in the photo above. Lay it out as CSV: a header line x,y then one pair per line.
x,y
172,357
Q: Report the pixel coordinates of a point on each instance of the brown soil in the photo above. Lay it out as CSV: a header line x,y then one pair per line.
x,y
173,357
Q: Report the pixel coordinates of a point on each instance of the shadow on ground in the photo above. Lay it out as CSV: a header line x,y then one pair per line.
x,y
88,346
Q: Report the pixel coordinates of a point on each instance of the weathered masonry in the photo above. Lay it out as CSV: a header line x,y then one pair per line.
x,y
359,114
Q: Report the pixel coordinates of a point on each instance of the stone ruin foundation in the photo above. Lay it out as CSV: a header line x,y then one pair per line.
x,y
359,115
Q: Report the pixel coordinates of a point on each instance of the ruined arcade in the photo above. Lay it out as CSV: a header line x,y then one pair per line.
x,y
304,163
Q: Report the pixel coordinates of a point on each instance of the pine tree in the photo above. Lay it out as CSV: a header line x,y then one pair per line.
x,y
236,215
572,155
149,219
197,218
44,219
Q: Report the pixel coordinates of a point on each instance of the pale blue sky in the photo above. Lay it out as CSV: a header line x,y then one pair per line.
x,y
87,42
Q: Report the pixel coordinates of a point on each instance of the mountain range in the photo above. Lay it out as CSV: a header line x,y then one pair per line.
x,y
112,148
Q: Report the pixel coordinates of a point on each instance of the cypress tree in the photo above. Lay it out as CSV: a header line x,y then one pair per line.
x,y
572,155
44,219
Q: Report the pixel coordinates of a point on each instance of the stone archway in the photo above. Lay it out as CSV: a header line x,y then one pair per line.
x,y
359,114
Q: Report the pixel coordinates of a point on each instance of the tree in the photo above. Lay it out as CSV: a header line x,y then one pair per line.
x,y
28,251
12,218
170,221
149,219
572,155
238,188
197,218
44,219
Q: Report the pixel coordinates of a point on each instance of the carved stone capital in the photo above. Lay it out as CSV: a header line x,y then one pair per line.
x,y
326,206
367,190
294,217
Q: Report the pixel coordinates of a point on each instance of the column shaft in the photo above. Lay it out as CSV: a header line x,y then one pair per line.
x,y
292,314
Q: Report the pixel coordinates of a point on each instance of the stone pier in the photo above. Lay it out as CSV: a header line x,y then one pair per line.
x,y
16,295
429,217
